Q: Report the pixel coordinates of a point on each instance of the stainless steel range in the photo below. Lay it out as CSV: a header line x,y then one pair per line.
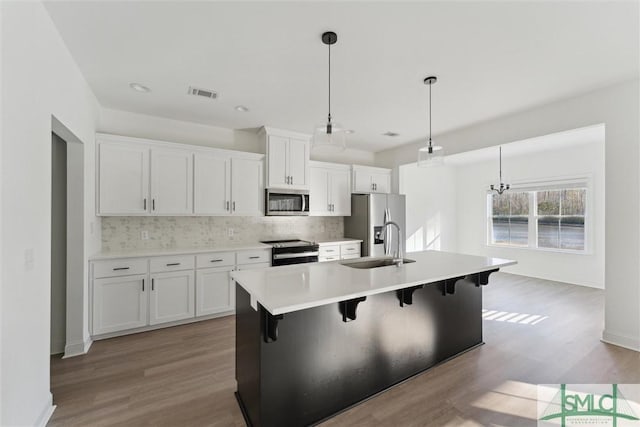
x,y
292,251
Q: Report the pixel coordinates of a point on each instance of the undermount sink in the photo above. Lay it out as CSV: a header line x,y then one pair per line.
x,y
375,263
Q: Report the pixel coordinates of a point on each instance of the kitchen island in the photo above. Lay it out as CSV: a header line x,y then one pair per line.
x,y
315,339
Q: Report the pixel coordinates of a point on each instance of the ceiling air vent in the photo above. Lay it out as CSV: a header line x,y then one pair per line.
x,y
202,92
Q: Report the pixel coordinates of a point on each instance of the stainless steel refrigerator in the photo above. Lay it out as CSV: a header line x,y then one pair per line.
x,y
368,213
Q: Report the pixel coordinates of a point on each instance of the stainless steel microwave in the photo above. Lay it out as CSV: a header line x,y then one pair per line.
x,y
286,202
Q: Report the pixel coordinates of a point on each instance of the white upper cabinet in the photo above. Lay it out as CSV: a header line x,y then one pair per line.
x,y
277,165
212,184
171,182
367,179
340,191
330,190
287,159
247,189
123,179
299,163
144,177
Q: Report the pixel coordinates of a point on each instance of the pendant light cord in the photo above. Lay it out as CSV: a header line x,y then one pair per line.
x,y
329,83
500,165
430,84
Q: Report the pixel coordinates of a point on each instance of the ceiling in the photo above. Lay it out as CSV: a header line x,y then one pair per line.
x,y
491,58
547,143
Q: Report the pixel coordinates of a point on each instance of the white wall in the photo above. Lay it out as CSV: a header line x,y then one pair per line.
x,y
151,127
473,179
39,80
431,207
618,108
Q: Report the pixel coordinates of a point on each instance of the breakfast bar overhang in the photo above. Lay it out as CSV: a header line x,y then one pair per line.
x,y
315,339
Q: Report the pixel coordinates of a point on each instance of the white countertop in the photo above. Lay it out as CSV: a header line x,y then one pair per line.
x,y
297,287
128,253
337,241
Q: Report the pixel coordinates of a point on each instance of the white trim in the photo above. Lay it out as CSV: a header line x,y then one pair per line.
x,y
631,343
77,349
106,138
45,414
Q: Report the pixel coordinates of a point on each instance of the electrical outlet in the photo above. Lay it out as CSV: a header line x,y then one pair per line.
x,y
144,235
230,232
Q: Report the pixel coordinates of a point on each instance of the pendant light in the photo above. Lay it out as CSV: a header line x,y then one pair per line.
x,y
502,187
430,155
329,136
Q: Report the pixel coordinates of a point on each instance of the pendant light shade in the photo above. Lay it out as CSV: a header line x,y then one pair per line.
x,y
502,187
430,155
329,136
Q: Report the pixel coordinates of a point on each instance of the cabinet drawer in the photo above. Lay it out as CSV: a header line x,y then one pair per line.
x,y
252,257
351,256
328,258
119,267
350,249
254,266
172,263
216,259
333,250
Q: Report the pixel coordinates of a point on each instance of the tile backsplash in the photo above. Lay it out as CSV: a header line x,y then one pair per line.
x,y
124,233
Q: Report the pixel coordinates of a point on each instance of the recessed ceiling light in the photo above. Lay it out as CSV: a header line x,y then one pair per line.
x,y
349,131
392,134
241,108
140,88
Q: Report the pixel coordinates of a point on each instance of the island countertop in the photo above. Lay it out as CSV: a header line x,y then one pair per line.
x,y
290,288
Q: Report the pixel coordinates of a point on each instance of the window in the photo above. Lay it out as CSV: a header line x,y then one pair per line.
x,y
510,219
544,218
561,219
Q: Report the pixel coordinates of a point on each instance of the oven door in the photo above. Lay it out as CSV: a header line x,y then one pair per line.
x,y
299,255
286,202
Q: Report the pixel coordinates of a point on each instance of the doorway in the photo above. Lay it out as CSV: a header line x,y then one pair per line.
x,y
58,244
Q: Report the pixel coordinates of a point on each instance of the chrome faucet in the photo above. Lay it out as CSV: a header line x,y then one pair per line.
x,y
398,256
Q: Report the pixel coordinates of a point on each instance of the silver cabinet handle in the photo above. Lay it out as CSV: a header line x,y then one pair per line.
x,y
120,268
254,257
173,264
234,206
227,205
144,202
292,179
216,260
153,284
153,204
142,285
286,179
329,250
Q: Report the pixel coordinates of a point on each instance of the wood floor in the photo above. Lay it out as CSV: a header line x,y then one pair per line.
x,y
184,376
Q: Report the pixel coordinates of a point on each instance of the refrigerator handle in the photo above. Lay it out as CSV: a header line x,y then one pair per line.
x,y
389,244
383,235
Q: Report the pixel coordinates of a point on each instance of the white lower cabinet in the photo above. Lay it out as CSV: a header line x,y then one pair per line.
x,y
172,297
119,303
333,251
133,293
214,291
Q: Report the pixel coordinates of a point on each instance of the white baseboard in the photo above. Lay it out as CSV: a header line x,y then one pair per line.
x,y
46,412
77,349
632,343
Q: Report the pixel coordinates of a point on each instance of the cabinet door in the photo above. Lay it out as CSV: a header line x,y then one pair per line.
x,y
319,192
119,303
382,182
299,163
362,182
340,192
171,182
172,297
247,190
277,162
214,291
123,179
211,184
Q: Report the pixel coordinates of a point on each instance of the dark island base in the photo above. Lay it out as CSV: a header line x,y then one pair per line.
x,y
306,366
